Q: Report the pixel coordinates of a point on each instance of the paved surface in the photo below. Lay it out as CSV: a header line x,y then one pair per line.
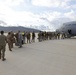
x,y
54,57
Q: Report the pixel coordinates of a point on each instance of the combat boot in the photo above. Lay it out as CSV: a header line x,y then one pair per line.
x,y
3,59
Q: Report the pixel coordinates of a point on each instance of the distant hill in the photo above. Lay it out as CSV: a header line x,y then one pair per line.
x,y
15,29
6,27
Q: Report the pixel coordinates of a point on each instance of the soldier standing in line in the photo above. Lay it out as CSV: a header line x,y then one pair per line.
x,y
24,37
63,34
13,39
40,36
28,37
16,39
33,36
20,39
9,40
3,41
58,35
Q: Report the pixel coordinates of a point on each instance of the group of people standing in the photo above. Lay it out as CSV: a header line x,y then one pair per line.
x,y
51,35
18,38
48,36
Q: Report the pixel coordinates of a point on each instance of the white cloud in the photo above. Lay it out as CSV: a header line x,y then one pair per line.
x,y
71,15
51,15
29,18
16,17
72,6
19,17
12,2
51,3
12,17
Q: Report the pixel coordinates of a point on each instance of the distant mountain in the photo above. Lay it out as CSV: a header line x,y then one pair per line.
x,y
15,29
4,26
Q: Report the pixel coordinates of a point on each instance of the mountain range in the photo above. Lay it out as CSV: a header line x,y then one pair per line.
x,y
4,26
15,29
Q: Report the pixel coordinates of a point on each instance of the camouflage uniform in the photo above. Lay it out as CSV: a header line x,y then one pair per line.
x,y
9,39
2,46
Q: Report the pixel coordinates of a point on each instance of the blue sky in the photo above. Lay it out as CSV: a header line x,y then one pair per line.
x,y
36,13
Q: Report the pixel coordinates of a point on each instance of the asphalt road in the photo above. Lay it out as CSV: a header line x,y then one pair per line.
x,y
53,57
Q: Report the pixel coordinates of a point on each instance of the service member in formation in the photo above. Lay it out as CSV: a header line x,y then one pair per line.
x,y
9,41
13,39
3,41
20,39
33,36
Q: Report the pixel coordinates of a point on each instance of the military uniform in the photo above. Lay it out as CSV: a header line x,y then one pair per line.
x,y
3,40
28,37
20,39
9,40
33,37
12,39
